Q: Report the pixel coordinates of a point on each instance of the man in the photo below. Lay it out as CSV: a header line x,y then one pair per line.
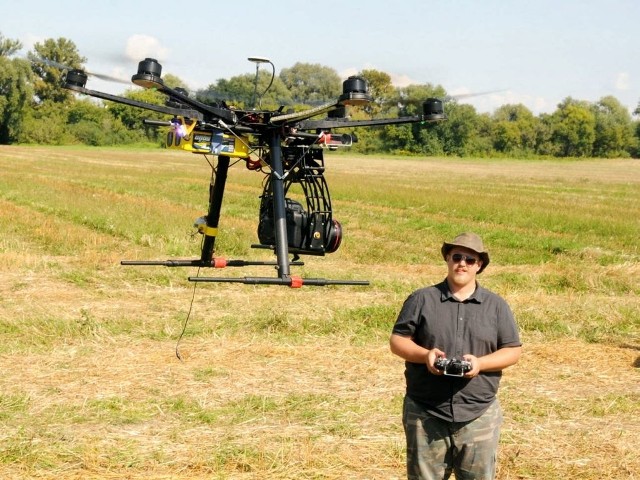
x,y
452,422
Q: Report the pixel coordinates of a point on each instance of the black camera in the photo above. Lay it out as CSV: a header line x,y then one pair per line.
x,y
453,367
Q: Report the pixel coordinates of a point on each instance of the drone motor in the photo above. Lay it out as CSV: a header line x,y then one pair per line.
x,y
148,76
432,109
355,91
74,79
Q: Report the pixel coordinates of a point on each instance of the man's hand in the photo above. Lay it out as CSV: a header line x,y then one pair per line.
x,y
406,348
475,366
434,354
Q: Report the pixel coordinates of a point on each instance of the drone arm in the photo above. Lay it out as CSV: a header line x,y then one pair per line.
x,y
327,124
135,103
220,113
217,262
312,112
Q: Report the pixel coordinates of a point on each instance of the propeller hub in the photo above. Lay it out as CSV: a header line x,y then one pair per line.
x,y
355,91
148,76
432,109
75,79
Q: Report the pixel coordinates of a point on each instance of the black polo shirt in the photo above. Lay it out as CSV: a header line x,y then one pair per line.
x,y
480,325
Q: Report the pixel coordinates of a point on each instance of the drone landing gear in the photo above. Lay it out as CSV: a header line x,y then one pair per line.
x,y
326,231
292,281
214,263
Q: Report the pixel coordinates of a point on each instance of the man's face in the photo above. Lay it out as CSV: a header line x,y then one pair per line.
x,y
463,265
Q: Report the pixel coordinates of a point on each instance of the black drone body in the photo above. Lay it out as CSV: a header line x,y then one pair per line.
x,y
287,147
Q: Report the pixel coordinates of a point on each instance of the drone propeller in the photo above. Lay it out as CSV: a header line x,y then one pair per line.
x,y
460,96
63,67
444,99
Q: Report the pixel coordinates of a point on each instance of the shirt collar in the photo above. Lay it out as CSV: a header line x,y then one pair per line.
x,y
446,296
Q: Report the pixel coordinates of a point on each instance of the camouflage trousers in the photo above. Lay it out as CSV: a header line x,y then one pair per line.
x,y
436,448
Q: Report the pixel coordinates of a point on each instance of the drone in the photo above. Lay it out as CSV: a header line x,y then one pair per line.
x,y
288,148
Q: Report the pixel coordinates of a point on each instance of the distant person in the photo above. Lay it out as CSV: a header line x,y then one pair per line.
x,y
452,417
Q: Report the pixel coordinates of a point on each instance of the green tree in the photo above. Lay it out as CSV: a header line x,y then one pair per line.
x,y
574,128
91,123
382,92
430,142
411,138
636,128
614,133
460,133
172,81
132,118
372,139
47,59
483,139
409,100
46,125
544,136
236,92
239,91
8,47
514,130
16,91
311,83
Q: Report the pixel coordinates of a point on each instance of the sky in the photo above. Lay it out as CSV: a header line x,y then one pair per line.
x,y
533,52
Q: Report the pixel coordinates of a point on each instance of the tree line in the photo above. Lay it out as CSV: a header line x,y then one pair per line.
x,y
34,108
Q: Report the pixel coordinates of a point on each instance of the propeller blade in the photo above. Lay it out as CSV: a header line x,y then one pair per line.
x,y
109,78
459,96
61,66
50,63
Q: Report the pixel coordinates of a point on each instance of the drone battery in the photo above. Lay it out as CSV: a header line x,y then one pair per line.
x,y
212,142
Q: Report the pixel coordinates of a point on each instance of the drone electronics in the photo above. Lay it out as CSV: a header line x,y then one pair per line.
x,y
288,148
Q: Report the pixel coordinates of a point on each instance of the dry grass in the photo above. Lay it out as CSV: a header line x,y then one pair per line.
x,y
285,384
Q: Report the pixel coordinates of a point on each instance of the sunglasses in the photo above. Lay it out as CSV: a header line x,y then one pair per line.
x,y
458,257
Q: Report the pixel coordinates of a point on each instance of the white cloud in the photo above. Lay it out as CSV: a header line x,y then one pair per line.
x,y
141,46
622,81
490,102
30,40
402,80
348,72
397,80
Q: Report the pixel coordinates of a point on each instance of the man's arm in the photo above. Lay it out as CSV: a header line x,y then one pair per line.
x,y
406,348
500,359
494,362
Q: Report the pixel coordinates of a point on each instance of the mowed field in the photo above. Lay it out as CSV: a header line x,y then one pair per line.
x,y
279,383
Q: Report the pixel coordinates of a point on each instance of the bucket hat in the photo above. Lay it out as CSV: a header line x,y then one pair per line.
x,y
471,241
